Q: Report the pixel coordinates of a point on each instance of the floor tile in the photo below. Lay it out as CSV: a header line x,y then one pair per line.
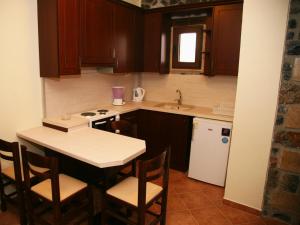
x,y
9,217
190,202
210,216
195,200
214,193
237,216
188,185
180,218
175,203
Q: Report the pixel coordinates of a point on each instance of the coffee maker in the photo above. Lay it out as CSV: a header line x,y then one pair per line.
x,y
118,95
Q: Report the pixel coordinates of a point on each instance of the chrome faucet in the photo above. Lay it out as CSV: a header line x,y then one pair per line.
x,y
179,100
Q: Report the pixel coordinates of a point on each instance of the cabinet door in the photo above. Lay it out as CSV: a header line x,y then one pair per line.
x,y
132,118
139,40
179,138
160,130
97,32
58,23
152,40
152,129
124,25
68,22
226,39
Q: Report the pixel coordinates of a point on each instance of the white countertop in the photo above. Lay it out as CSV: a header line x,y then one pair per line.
x,y
196,111
99,148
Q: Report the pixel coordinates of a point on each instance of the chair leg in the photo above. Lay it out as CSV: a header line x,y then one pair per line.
x,y
3,202
141,216
57,214
133,164
90,206
163,212
21,205
30,209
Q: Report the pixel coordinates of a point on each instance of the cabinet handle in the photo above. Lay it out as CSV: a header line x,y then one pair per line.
x,y
117,63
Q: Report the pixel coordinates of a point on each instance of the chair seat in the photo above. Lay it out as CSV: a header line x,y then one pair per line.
x,y
10,172
67,185
127,191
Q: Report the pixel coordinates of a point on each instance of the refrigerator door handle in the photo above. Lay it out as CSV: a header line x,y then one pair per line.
x,y
195,125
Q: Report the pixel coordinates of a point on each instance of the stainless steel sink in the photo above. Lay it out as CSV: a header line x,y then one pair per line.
x,y
174,106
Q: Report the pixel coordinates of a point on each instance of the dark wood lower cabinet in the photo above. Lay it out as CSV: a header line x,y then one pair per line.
x,y
161,129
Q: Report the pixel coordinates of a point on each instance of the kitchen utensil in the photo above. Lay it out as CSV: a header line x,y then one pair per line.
x,y
138,94
118,95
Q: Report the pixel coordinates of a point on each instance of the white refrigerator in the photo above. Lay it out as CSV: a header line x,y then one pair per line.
x,y
209,150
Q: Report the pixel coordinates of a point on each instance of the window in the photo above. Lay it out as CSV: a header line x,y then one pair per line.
x,y
188,47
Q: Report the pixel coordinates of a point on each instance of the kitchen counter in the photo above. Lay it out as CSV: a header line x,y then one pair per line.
x,y
98,148
195,111
202,112
74,122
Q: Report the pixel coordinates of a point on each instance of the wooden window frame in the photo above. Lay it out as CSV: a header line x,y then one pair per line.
x,y
180,29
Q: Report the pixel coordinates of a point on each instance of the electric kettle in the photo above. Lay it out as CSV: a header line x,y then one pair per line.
x,y
138,94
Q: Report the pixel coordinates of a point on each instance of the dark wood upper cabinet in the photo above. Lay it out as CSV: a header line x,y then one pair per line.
x,y
139,40
226,39
97,34
124,39
152,40
58,22
110,35
75,33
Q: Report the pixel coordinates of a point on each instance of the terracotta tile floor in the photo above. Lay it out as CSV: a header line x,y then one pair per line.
x,y
190,202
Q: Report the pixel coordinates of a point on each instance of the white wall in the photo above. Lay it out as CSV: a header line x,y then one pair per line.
x,y
20,85
263,34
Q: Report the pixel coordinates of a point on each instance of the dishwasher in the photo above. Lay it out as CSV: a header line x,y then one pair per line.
x,y
209,150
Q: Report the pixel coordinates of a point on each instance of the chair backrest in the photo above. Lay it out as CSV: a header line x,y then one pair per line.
x,y
152,169
42,167
123,127
10,151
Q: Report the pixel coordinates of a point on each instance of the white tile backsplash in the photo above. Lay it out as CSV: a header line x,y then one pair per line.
x,y
196,89
90,90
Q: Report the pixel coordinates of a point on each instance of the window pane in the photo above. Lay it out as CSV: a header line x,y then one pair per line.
x,y
187,46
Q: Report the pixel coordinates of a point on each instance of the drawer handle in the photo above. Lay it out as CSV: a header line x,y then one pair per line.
x,y
99,123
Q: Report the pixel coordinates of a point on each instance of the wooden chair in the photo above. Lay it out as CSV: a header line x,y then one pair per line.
x,y
55,190
124,127
138,194
11,175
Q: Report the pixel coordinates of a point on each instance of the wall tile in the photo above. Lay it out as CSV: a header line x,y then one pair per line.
x,y
290,161
282,190
196,89
288,138
72,94
292,119
296,69
286,201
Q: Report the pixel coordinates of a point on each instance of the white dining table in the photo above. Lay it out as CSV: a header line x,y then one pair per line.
x,y
95,147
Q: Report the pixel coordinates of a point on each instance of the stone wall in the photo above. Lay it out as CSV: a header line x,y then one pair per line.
x,y
282,193
147,4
